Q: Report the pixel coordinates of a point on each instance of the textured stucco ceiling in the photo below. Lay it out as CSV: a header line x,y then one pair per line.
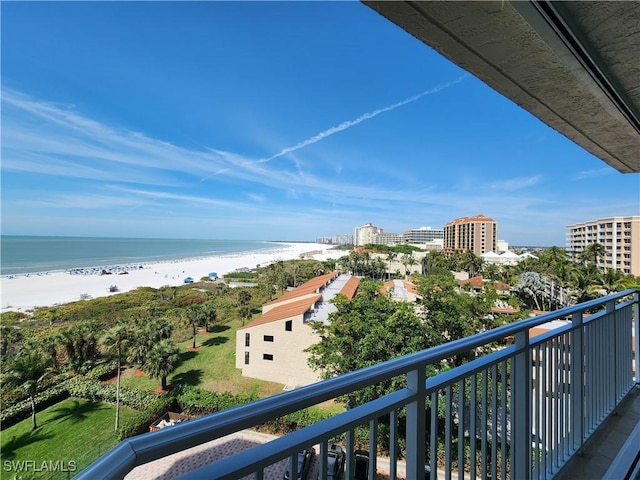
x,y
574,65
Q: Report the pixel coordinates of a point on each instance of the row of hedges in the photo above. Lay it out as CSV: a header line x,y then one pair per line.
x,y
97,391
20,410
82,387
196,401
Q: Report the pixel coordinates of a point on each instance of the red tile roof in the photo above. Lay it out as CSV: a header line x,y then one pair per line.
x,y
477,219
350,288
288,310
311,286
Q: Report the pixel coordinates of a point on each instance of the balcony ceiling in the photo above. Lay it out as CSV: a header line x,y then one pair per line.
x,y
574,65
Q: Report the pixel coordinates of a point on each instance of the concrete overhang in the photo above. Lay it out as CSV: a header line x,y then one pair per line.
x,y
574,65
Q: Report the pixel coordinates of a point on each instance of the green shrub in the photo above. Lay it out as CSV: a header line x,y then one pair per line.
x,y
196,401
10,415
95,391
104,371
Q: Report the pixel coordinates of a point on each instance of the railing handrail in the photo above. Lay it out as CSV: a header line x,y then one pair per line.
x,y
148,447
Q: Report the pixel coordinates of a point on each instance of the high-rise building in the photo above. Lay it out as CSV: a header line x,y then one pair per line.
x,y
620,237
365,234
423,235
478,234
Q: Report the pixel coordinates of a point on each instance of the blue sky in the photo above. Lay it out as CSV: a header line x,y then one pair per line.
x,y
268,120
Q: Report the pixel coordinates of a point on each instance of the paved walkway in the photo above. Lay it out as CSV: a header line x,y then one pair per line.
x,y
601,450
185,461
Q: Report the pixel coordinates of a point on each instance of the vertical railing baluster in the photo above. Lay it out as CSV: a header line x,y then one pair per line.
x,y
636,331
448,433
503,421
494,421
461,428
350,468
610,309
393,445
556,404
483,425
322,461
521,391
473,410
416,424
373,447
542,434
433,454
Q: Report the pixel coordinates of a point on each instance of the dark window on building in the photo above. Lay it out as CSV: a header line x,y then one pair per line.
x,y
246,358
267,356
268,338
247,340
288,326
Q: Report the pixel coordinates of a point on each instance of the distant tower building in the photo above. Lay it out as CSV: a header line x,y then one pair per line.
x,y
388,239
478,234
365,234
423,235
620,237
502,246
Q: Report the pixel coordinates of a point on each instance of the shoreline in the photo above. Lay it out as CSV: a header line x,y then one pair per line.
x,y
94,269
23,292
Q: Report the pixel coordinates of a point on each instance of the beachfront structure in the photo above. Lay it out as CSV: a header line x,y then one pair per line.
x,y
478,234
505,258
423,235
620,237
341,239
564,63
365,234
272,346
388,239
502,246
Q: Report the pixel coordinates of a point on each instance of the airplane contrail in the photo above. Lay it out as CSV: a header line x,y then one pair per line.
x,y
360,119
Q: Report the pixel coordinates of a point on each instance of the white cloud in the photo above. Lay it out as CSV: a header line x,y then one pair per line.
x,y
516,183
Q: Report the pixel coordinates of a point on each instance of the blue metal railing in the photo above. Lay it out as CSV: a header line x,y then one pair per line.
x,y
519,411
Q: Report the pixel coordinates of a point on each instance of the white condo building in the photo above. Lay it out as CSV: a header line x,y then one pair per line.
x,y
620,237
365,234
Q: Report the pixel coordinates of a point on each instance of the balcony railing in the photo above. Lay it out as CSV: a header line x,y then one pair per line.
x,y
520,409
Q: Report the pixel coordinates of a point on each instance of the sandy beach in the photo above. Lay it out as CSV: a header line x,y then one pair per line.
x,y
24,292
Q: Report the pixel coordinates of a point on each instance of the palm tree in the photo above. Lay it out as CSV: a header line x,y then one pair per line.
x,y
612,280
294,270
470,262
27,371
593,252
390,258
8,337
194,317
408,261
584,282
243,299
162,360
116,342
209,313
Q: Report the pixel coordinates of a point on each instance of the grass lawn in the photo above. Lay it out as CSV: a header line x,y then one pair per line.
x,y
73,430
211,366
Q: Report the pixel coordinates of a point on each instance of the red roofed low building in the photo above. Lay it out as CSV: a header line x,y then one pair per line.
x,y
271,347
478,284
401,290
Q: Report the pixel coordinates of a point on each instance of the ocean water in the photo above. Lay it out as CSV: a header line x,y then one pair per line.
x,y
30,254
